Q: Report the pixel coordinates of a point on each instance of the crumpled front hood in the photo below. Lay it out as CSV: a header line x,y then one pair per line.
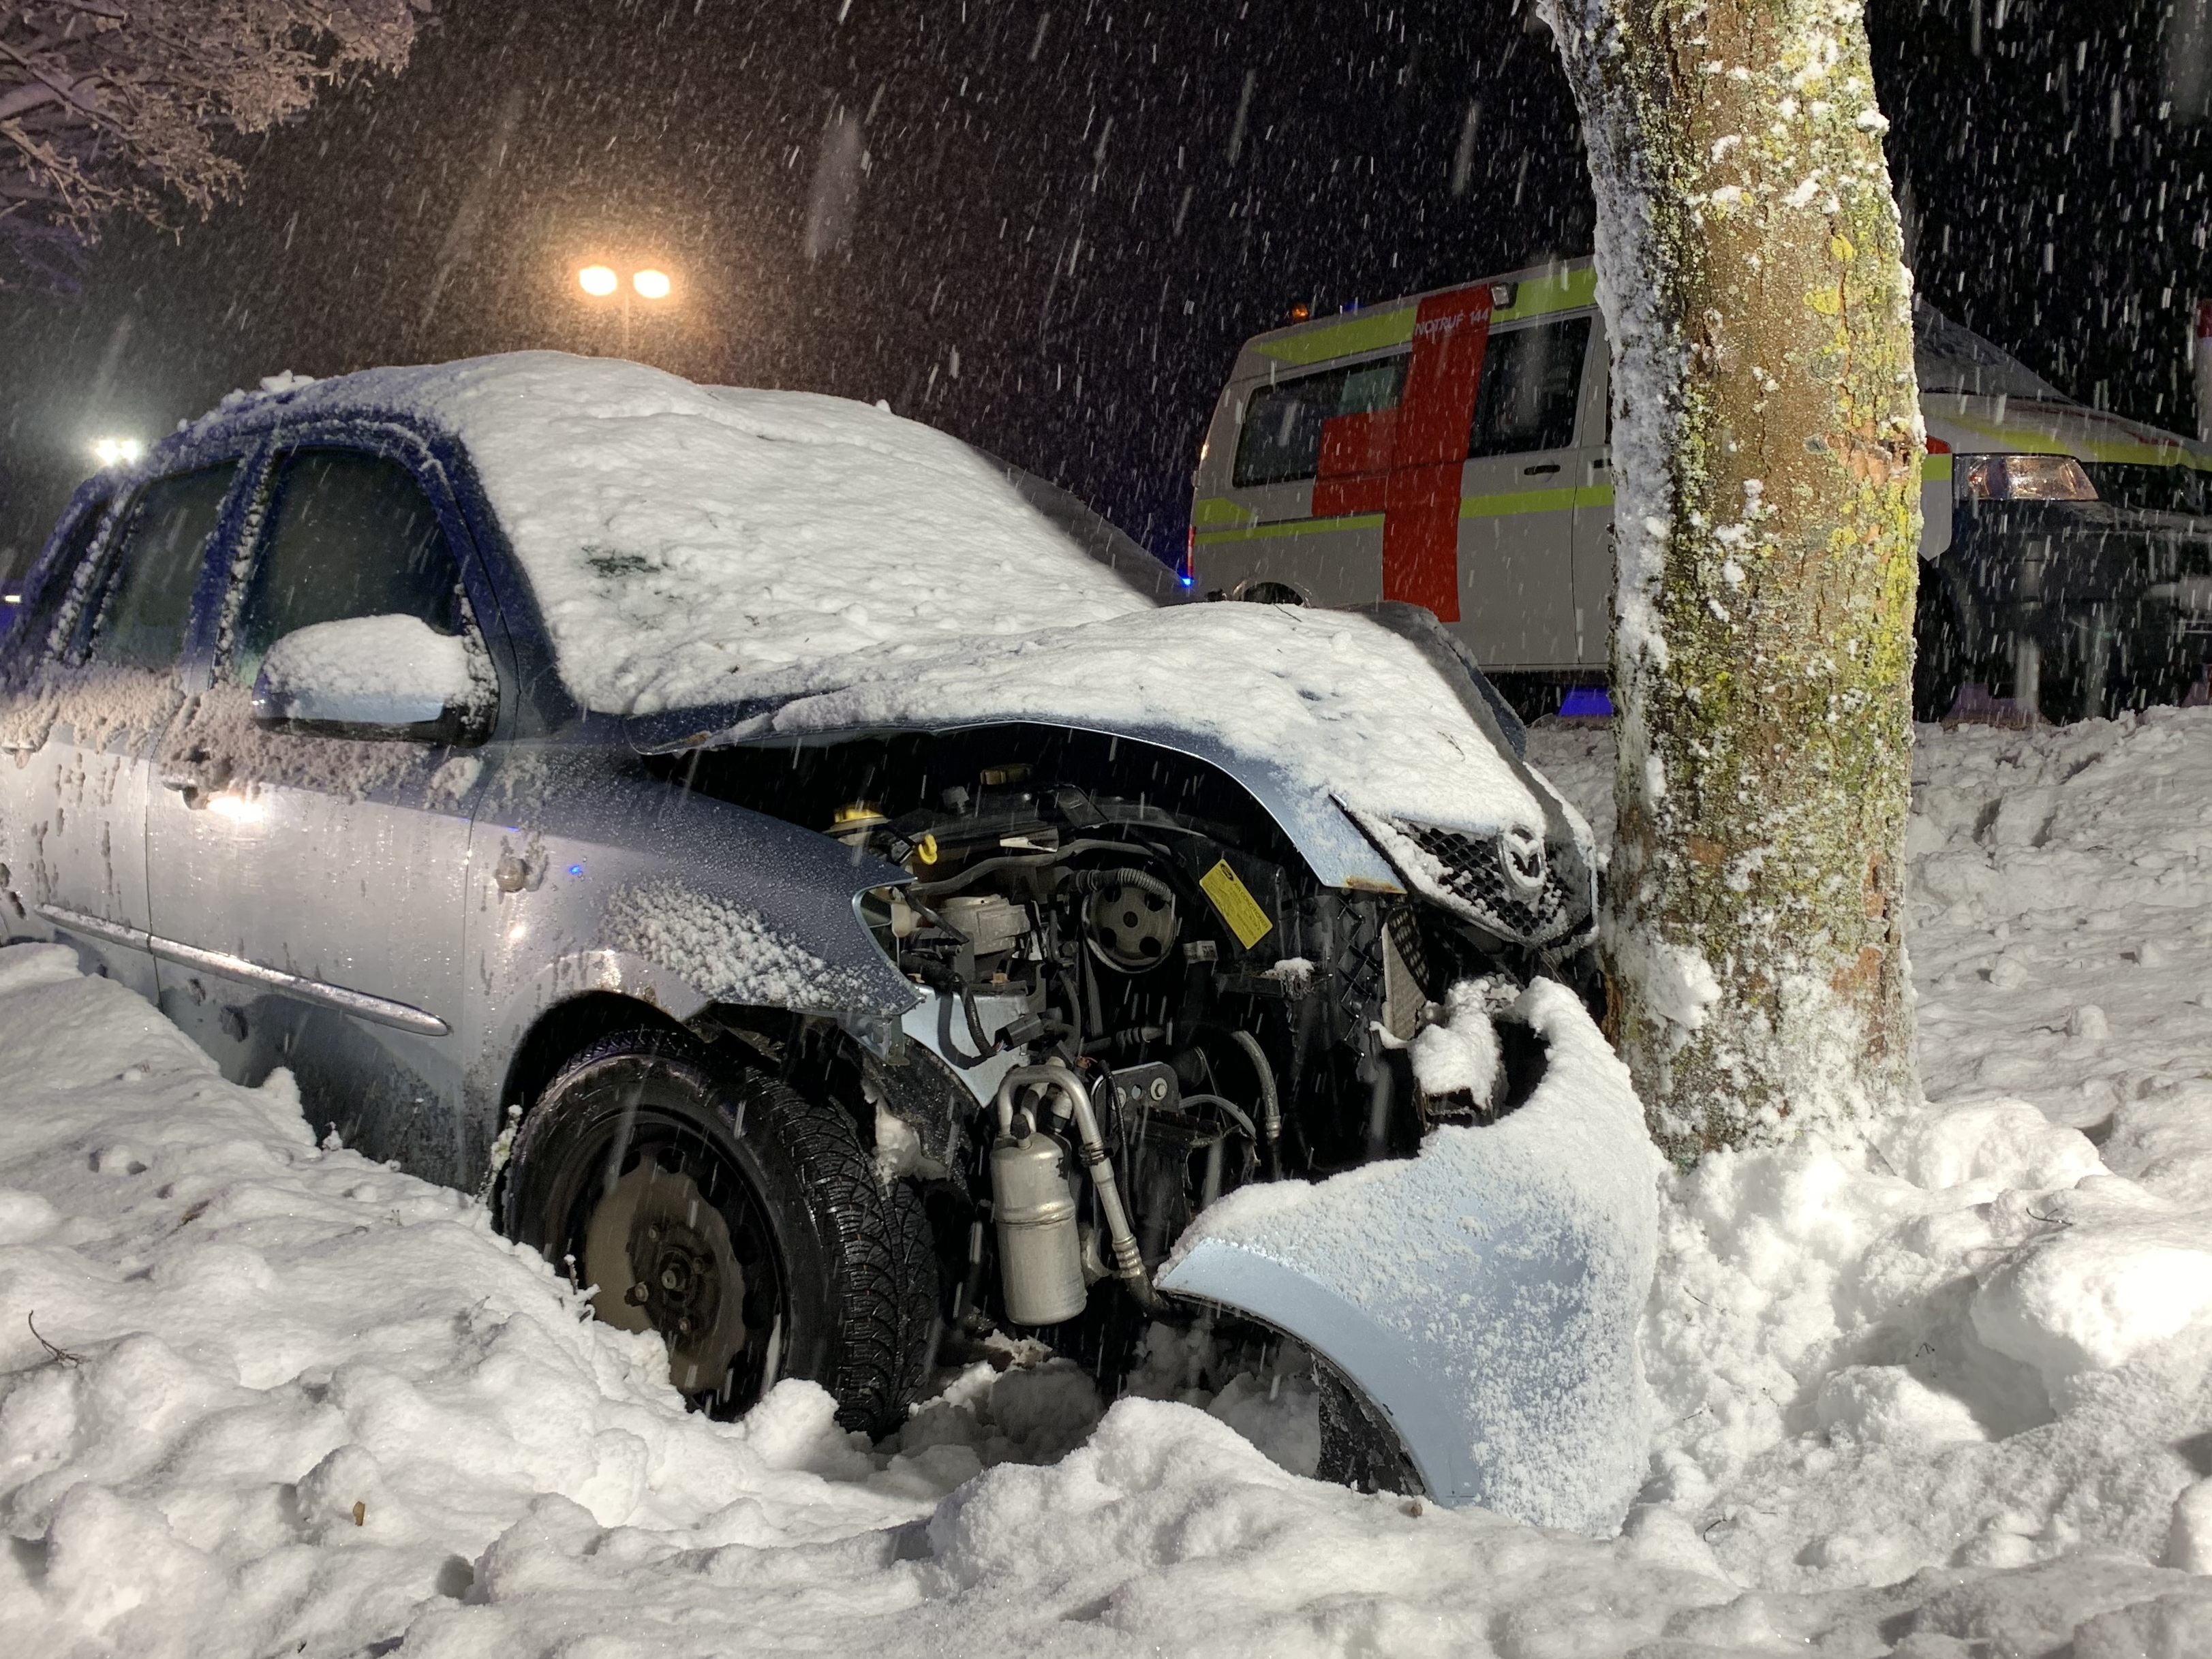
x,y
1317,712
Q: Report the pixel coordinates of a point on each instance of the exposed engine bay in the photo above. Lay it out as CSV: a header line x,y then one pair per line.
x,y
1136,998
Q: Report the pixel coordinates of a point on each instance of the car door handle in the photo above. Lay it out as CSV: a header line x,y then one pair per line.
x,y
192,770
1531,472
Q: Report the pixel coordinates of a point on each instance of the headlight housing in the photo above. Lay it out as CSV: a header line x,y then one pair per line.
x,y
2023,478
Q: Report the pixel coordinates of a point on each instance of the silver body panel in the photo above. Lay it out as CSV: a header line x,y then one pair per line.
x,y
75,774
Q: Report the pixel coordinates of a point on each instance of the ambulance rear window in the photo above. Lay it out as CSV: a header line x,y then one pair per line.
x,y
1281,439
1532,380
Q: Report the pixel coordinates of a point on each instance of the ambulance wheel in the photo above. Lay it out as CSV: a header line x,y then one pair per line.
x,y
734,1219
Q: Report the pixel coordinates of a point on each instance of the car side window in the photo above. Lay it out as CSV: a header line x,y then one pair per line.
x,y
147,605
43,608
1281,438
1532,381
351,535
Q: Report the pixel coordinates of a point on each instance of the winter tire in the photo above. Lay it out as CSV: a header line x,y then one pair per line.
x,y
1359,1447
737,1219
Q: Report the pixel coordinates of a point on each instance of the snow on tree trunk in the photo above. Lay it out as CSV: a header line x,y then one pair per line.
x,y
1766,444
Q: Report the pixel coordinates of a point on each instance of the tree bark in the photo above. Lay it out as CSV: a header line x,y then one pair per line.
x,y
1767,442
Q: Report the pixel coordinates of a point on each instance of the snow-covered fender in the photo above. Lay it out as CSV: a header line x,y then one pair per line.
x,y
584,879
1483,1295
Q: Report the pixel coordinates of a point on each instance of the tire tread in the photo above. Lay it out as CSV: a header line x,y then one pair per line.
x,y
878,1241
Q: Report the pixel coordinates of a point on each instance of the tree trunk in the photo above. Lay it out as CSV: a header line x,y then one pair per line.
x,y
1767,442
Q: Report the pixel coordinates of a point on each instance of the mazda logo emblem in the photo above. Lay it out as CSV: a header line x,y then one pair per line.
x,y
1520,857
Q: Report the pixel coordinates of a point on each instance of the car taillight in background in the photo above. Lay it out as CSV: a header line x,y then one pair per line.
x,y
1187,572
2023,478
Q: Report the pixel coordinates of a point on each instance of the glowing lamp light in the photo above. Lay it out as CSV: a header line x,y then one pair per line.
x,y
598,280
650,284
237,808
110,450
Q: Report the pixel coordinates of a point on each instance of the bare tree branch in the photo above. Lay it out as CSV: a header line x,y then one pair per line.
x,y
107,107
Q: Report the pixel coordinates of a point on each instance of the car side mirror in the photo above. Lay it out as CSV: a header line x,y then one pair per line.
x,y
376,677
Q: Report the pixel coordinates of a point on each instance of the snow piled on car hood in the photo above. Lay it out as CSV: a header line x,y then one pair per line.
x,y
1333,704
676,534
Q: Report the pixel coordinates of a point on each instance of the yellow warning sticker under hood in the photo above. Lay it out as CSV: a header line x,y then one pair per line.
x,y
1234,900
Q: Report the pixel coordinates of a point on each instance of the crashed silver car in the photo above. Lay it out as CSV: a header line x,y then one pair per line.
x,y
838,903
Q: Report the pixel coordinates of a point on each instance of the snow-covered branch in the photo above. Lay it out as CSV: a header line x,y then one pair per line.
x,y
108,108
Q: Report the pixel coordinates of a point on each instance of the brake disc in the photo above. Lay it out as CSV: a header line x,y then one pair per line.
x,y
660,1256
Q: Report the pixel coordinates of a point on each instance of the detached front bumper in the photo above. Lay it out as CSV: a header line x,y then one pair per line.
x,y
1483,1295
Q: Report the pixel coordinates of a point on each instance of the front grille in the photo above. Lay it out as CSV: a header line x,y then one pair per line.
x,y
1471,874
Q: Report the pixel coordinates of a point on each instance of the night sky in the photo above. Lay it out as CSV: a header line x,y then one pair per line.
x,y
1045,228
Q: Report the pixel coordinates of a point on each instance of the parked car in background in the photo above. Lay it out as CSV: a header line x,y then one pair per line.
x,y
827,890
1451,449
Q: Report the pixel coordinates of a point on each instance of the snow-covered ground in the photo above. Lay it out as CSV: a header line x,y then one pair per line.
x,y
1938,1388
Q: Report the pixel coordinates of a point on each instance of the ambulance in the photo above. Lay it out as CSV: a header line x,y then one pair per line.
x,y
1449,450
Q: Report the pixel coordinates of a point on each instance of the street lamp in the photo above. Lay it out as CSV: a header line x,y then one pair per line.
x,y
601,282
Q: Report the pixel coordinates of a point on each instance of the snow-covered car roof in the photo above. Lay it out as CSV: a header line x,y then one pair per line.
x,y
675,535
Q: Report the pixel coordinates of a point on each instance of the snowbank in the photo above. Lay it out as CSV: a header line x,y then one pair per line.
x,y
1938,1391
1980,1336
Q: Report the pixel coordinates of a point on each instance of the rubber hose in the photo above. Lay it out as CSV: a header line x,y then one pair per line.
x,y
1271,1104
976,872
945,980
1235,1113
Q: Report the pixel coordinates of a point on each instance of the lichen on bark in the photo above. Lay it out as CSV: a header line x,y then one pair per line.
x,y
1766,450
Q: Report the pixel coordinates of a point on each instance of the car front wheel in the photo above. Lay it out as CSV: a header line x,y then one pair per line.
x,y
738,1220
